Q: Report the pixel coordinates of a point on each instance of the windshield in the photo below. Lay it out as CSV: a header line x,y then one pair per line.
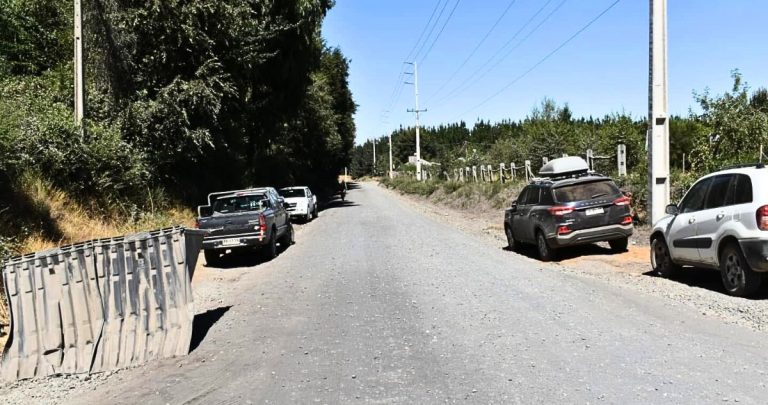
x,y
292,192
586,191
242,203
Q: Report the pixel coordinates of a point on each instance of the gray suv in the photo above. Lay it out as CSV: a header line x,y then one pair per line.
x,y
569,209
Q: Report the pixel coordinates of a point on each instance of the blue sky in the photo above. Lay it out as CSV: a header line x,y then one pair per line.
x,y
603,70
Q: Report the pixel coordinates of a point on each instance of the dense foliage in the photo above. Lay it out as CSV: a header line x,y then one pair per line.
x,y
729,129
188,96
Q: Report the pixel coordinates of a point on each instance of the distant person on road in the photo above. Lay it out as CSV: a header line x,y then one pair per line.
x,y
343,189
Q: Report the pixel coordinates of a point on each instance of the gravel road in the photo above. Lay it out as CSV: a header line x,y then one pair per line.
x,y
379,303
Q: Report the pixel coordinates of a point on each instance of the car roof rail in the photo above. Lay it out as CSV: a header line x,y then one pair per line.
x,y
757,165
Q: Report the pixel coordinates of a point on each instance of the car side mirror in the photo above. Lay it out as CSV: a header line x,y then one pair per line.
x,y
672,209
204,211
514,205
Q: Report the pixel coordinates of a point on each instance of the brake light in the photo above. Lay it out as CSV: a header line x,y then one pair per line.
x,y
559,211
626,221
562,230
622,201
262,224
762,218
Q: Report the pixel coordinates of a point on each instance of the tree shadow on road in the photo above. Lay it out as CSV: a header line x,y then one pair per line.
x,y
203,323
708,279
244,258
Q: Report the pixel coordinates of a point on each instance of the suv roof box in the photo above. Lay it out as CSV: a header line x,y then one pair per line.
x,y
565,167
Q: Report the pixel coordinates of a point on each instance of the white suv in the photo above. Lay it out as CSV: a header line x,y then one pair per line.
x,y
301,202
721,223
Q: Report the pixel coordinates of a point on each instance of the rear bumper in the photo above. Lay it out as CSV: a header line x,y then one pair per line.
x,y
756,253
592,235
247,240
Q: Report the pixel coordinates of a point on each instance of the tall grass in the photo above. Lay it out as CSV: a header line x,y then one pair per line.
x,y
75,221
42,216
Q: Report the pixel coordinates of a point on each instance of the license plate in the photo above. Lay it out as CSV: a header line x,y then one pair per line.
x,y
230,242
594,211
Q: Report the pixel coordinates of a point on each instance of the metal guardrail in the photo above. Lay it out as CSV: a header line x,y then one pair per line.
x,y
100,305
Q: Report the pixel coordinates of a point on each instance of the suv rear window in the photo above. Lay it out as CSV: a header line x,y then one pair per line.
x,y
292,192
243,203
586,191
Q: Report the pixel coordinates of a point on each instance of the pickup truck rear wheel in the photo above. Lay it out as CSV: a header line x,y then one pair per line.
x,y
212,257
270,249
287,239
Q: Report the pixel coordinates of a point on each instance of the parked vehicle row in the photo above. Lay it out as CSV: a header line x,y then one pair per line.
x,y
254,219
721,223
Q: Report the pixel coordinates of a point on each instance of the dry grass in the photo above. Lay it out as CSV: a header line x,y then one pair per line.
x,y
5,318
74,222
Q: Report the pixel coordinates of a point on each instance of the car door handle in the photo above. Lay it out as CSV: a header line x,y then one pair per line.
x,y
720,216
691,220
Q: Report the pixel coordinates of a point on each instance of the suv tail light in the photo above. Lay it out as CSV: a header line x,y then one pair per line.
x,y
762,218
626,220
262,224
559,211
622,201
563,229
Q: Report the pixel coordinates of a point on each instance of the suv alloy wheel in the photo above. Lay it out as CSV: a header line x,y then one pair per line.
x,y
546,253
661,261
738,278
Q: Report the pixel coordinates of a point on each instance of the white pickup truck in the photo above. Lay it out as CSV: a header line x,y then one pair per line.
x,y
300,202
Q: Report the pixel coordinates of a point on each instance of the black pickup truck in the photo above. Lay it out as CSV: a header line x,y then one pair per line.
x,y
244,219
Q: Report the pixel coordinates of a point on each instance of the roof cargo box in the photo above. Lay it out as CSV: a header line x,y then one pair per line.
x,y
564,167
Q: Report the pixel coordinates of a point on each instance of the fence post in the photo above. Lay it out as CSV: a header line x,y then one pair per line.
x,y
621,157
527,170
474,174
501,172
513,170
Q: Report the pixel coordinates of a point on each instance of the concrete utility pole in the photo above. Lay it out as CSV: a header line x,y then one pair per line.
x,y
78,64
417,111
390,156
658,108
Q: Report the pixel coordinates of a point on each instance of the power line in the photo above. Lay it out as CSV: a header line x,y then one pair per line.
x,y
522,41
397,90
441,30
542,60
431,30
423,31
498,52
477,47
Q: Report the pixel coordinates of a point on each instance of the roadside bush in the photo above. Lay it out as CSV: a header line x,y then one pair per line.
x,y
410,185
